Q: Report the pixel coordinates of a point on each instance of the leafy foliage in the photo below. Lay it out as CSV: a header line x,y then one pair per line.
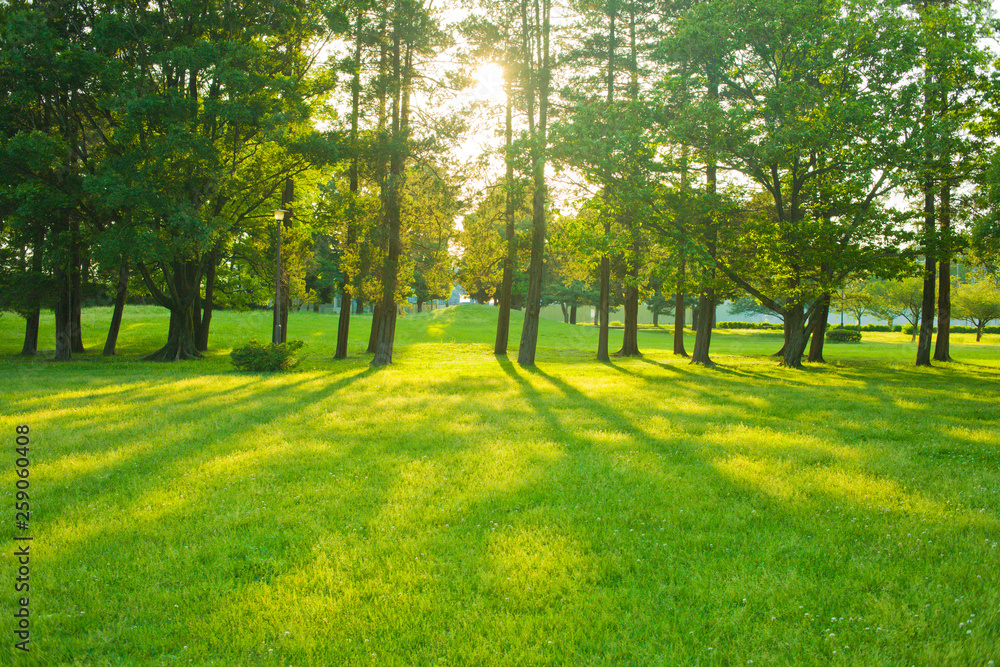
x,y
258,358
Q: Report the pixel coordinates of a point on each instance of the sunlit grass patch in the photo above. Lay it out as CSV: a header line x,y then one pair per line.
x,y
457,508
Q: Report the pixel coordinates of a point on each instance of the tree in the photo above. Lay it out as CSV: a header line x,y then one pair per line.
x,y
411,34
898,298
813,99
536,67
852,297
979,302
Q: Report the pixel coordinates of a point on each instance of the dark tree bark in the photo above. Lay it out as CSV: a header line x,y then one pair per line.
x,y
565,313
630,340
507,284
796,337
401,73
76,294
183,282
539,148
603,307
656,319
822,316
572,314
344,318
703,330
116,317
359,306
373,334
64,320
927,303
942,346
679,323
30,347
204,322
706,300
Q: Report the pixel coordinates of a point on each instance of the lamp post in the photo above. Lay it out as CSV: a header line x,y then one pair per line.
x,y
279,218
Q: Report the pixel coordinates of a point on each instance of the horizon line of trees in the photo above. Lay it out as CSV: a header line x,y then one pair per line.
x,y
722,149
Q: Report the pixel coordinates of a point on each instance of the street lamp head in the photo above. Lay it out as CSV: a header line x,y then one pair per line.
x,y
279,215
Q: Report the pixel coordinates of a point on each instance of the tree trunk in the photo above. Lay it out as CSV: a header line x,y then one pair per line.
x,y
703,331
572,314
360,306
116,317
539,148
706,300
679,315
344,317
795,342
503,316
603,306
565,313
822,315
343,322
76,295
942,347
926,312
630,340
64,320
180,338
30,347
373,334
183,281
204,322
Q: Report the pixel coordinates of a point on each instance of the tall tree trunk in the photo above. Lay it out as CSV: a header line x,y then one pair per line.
x,y
116,317
344,318
507,284
930,245
30,347
656,318
360,309
539,148
822,315
572,314
679,316
927,304
76,292
706,300
630,339
603,306
942,347
397,164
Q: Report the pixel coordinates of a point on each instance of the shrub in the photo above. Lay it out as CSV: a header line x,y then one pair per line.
x,y
615,323
260,358
843,335
747,325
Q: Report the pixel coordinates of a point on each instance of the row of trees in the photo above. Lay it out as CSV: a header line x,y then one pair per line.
x,y
717,148
756,148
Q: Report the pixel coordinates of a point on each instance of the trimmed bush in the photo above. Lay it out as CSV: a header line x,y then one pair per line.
x,y
748,325
843,336
259,358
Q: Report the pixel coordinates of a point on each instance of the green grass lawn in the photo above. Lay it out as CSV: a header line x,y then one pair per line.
x,y
457,509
